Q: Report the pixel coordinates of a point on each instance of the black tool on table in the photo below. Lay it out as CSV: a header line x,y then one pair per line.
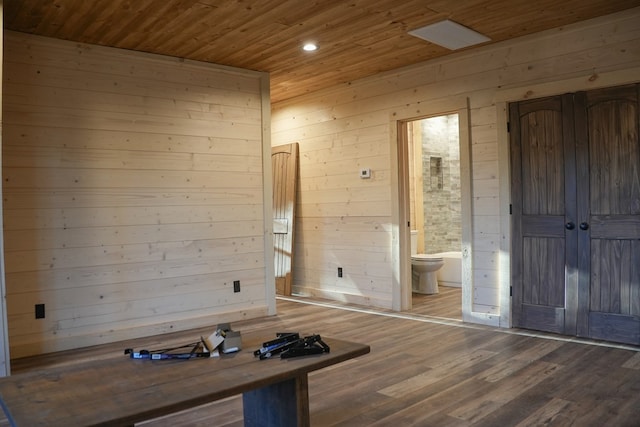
x,y
289,344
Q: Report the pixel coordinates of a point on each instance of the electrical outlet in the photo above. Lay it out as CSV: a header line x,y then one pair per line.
x,y
236,286
339,271
39,311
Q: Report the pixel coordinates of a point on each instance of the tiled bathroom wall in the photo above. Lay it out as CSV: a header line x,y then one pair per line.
x,y
442,195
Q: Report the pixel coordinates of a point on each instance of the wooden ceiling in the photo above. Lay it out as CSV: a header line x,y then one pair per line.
x,y
356,38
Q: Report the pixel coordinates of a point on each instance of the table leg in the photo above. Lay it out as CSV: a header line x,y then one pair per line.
x,y
281,404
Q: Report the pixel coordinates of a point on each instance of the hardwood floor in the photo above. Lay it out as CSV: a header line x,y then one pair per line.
x,y
447,303
422,372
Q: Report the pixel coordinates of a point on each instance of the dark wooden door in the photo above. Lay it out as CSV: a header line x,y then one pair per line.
x,y
544,245
609,213
576,214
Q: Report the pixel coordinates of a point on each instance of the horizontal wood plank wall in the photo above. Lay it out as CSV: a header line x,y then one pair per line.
x,y
133,194
346,221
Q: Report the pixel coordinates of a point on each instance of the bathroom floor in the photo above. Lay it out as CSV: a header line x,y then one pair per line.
x,y
446,303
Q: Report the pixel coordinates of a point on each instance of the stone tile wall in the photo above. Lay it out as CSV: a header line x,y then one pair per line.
x,y
442,195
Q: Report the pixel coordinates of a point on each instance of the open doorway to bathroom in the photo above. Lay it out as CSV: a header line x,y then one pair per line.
x,y
435,215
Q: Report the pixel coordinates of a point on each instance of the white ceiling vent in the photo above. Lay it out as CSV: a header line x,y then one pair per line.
x,y
449,34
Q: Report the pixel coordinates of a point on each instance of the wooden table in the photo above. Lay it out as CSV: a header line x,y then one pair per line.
x,y
121,391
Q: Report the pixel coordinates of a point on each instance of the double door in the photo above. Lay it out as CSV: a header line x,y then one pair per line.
x,y
575,190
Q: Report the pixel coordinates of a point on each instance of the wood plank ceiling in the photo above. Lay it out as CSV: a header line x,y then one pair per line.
x,y
356,38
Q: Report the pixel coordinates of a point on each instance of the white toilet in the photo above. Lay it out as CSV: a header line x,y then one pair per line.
x,y
423,269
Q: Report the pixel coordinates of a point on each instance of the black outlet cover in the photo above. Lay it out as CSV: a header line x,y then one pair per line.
x,y
39,311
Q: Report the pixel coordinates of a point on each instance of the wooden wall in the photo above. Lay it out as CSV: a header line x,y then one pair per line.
x,y
346,221
134,194
4,338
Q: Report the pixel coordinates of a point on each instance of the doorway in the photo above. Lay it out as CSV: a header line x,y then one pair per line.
x,y
401,249
575,168
435,210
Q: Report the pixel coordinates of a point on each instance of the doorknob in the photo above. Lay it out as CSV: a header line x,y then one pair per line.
x,y
584,226
569,226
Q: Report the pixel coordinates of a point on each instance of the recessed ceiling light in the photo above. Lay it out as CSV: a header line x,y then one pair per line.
x,y
449,34
310,47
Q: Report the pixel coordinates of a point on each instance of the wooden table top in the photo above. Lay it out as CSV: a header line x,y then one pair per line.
x,y
121,390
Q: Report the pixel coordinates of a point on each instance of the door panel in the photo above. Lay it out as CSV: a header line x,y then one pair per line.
x,y
544,273
576,252
543,162
613,217
542,158
284,162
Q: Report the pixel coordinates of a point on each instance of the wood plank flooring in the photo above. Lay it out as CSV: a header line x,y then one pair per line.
x,y
447,303
424,372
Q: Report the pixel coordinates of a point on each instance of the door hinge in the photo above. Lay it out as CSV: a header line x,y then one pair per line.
x,y
510,291
508,126
510,209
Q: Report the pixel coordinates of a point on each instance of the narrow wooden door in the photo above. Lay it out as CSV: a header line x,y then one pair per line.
x,y
608,124
284,162
576,214
544,249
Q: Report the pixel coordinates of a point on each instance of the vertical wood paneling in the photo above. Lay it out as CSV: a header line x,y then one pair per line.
x,y
613,141
545,285
324,121
615,276
634,280
284,160
613,217
545,164
133,194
